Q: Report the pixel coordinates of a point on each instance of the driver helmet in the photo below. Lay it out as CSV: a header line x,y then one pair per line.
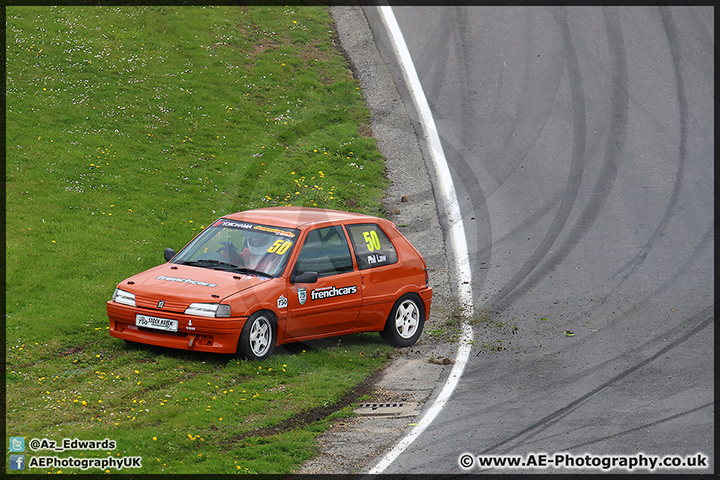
x,y
259,243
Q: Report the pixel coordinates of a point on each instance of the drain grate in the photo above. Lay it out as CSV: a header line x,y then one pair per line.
x,y
393,409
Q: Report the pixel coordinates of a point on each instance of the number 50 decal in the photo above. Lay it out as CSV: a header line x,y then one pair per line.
x,y
373,242
279,247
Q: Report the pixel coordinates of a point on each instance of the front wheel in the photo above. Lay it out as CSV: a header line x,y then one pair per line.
x,y
406,321
257,339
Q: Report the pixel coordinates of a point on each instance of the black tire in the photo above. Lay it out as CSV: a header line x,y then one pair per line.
x,y
405,322
257,338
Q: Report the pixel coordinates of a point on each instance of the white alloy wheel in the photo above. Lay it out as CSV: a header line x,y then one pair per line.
x,y
257,338
405,322
407,319
260,336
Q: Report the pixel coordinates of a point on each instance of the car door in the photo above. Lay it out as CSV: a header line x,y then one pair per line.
x,y
332,304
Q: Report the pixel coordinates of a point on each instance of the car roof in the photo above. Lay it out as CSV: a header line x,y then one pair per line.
x,y
297,217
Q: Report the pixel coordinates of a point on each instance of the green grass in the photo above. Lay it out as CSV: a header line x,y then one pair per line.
x,y
180,409
129,129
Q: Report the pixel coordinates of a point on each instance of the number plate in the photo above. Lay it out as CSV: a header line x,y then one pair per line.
x,y
156,323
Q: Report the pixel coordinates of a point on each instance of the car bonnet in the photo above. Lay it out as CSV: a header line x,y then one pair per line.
x,y
186,284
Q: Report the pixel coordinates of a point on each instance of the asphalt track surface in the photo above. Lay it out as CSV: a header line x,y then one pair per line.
x,y
581,145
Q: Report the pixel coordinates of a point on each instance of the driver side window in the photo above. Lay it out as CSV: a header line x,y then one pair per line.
x,y
326,251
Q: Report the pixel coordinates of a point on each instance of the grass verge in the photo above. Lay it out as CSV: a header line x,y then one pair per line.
x,y
128,130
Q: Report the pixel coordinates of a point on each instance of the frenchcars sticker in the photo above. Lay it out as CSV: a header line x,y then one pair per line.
x,y
186,280
329,292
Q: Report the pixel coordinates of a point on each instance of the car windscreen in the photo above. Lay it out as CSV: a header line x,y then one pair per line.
x,y
241,247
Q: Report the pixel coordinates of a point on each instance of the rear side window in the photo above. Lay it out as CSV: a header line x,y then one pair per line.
x,y
372,247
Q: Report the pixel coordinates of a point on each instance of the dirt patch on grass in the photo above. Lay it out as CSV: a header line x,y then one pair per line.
x,y
71,351
314,414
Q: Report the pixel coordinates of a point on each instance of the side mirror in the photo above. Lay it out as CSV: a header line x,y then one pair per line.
x,y
304,277
169,254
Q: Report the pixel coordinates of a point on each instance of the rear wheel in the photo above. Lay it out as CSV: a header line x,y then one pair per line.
x,y
406,321
257,339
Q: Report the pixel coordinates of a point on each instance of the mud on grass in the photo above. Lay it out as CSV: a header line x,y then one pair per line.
x,y
317,414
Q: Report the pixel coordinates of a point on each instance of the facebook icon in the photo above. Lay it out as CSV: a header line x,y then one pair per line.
x,y
17,462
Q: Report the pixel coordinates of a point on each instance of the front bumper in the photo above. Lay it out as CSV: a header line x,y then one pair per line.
x,y
202,334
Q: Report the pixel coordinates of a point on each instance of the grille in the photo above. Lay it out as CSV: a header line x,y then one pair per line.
x,y
152,302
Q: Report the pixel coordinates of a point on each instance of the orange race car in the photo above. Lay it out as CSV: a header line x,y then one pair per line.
x,y
270,276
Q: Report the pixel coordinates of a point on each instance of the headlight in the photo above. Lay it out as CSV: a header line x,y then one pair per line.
x,y
208,310
126,298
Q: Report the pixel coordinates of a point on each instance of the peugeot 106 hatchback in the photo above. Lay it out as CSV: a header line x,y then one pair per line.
x,y
265,277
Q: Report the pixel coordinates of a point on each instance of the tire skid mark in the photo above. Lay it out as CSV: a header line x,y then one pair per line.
x,y
578,161
658,292
456,25
538,215
615,141
631,267
466,177
513,155
642,427
631,311
622,315
705,38
633,264
463,172
516,154
638,307
700,321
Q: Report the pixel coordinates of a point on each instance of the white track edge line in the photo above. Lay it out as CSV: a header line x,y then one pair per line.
x,y
456,232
